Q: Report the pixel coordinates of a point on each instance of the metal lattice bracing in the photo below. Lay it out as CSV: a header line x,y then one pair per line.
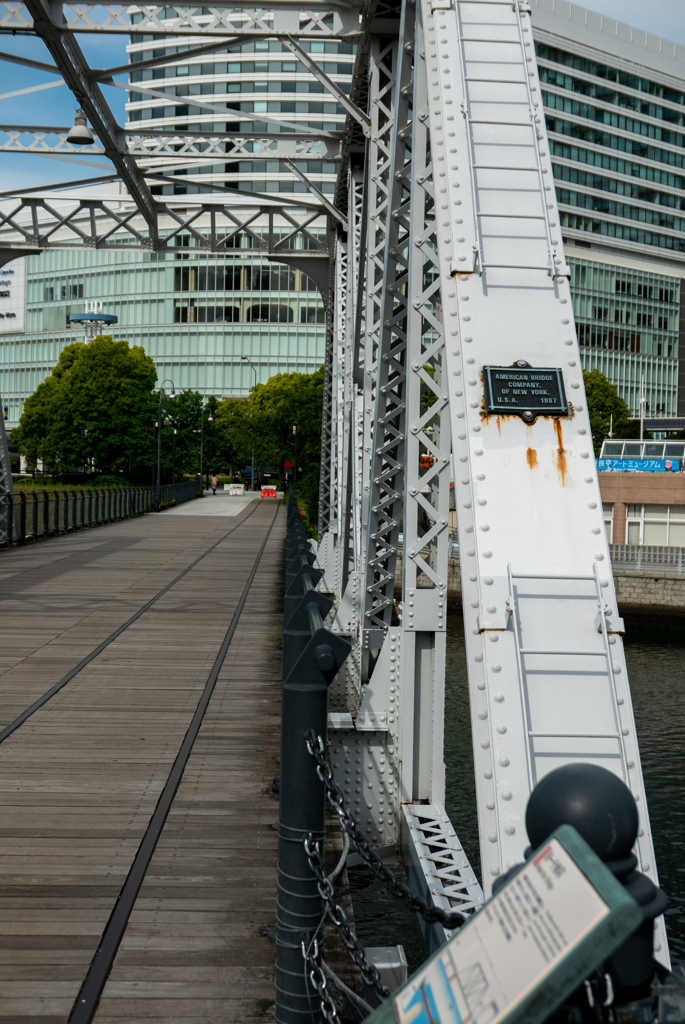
x,y
427,473
226,18
231,230
386,343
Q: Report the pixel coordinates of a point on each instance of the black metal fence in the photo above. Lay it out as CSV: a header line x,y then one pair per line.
x,y
312,656
30,515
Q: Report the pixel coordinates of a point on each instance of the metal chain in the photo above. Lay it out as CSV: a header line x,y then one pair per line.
x,y
449,920
338,916
310,955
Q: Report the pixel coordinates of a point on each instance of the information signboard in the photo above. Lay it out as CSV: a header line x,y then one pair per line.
x,y
548,927
638,465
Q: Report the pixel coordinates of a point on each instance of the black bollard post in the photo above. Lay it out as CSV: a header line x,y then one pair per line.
x,y
312,656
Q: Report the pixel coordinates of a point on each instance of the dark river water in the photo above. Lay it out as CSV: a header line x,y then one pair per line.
x,y
656,668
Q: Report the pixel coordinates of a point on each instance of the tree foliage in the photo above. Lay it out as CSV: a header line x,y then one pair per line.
x,y
99,406
603,402
93,411
265,421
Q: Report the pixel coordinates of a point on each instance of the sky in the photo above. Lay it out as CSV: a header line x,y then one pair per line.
x,y
56,106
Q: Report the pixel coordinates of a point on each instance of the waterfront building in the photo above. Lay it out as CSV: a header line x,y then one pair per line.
x,y
614,100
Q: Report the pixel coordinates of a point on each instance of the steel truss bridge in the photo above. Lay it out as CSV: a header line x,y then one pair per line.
x,y
441,257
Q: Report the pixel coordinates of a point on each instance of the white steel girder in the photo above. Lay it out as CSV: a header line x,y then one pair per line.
x,y
546,668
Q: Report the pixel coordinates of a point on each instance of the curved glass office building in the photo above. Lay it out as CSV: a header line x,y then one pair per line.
x,y
614,100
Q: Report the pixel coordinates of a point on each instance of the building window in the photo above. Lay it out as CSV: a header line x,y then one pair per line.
x,y
203,279
189,313
72,291
312,315
270,313
608,511
656,525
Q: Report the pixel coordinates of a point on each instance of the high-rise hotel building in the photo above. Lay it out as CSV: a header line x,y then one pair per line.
x,y
615,104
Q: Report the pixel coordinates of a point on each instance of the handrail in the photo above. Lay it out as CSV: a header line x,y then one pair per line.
x,y
39,514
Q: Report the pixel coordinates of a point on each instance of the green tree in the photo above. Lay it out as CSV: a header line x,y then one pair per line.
x,y
603,402
94,411
266,421
274,407
184,414
233,434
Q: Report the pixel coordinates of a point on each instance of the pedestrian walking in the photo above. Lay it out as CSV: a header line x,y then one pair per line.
x,y
215,483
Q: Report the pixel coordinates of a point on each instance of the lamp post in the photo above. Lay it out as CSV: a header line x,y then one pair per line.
x,y
154,445
210,419
172,394
173,471
254,368
295,458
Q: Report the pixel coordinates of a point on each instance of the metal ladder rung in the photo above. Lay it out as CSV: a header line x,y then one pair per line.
x,y
498,81
513,216
499,63
527,576
509,42
518,266
575,735
498,167
584,654
512,124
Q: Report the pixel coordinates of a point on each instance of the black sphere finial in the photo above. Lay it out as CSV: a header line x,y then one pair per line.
x,y
596,802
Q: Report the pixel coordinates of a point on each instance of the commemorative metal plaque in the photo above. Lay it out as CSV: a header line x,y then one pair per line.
x,y
524,391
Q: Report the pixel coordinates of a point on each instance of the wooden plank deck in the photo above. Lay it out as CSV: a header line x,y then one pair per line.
x,y
80,779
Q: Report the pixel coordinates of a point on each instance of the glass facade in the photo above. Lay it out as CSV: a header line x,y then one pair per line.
x,y
194,316
594,112
628,322
251,79
617,139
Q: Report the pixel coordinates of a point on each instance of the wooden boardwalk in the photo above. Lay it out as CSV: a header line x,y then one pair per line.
x,y
80,778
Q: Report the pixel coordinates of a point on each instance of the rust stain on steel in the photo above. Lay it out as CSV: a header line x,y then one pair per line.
x,y
532,458
560,454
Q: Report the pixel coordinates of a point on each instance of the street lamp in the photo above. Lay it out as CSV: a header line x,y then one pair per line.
x,y
210,419
172,394
254,368
173,458
295,459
